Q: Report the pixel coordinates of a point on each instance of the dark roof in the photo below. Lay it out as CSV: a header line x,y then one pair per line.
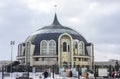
x,y
55,25
56,22
53,31
36,39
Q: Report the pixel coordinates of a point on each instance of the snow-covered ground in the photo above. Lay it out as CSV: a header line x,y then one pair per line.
x,y
33,75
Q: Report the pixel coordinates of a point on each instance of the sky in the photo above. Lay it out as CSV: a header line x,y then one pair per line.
x,y
98,21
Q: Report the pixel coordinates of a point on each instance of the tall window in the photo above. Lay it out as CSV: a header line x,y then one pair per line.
x,y
68,48
75,48
81,48
43,47
64,46
52,47
20,49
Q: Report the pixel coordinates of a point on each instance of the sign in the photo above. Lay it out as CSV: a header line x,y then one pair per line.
x,y
33,70
102,72
74,72
60,71
84,72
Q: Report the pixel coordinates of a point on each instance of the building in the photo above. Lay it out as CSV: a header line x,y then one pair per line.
x,y
56,44
111,62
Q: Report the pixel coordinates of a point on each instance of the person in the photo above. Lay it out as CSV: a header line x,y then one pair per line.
x,y
45,74
112,73
87,75
80,73
70,73
64,73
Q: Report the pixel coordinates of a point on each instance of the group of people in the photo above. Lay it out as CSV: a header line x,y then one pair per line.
x,y
66,73
114,74
70,73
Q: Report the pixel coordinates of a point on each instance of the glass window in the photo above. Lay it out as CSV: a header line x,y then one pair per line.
x,y
36,59
81,48
64,46
75,48
68,48
20,49
74,59
42,59
43,47
75,44
52,47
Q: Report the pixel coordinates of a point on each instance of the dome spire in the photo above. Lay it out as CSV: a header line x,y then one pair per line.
x,y
55,21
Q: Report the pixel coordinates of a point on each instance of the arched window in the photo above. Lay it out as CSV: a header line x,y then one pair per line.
x,y
64,46
81,48
52,47
43,47
19,53
20,50
75,47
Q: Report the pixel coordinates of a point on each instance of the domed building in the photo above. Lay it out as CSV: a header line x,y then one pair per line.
x,y
56,44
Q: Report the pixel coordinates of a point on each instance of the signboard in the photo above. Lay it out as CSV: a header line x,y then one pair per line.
x,y
84,72
102,72
60,71
74,71
33,70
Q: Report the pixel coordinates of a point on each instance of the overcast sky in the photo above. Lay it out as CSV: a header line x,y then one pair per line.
x,y
98,21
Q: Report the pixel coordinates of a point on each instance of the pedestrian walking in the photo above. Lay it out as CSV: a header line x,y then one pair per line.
x,y
45,74
113,74
71,74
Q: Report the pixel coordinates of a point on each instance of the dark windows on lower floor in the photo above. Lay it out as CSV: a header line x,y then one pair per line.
x,y
36,59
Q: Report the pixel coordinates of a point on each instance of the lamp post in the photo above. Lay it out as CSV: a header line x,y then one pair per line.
x,y
12,43
53,71
2,71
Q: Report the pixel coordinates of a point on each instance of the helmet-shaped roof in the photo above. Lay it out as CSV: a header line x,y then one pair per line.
x,y
52,32
57,28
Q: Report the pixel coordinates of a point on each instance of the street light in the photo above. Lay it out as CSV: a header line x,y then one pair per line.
x,y
12,43
2,71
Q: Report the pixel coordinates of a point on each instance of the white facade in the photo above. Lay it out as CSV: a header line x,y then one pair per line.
x,y
67,52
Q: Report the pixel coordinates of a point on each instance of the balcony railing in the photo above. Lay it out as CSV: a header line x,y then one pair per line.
x,y
83,63
44,62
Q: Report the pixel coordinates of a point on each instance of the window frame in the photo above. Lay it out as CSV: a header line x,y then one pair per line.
x,y
52,47
43,49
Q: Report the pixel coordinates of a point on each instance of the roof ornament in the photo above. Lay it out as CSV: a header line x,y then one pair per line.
x,y
55,7
55,22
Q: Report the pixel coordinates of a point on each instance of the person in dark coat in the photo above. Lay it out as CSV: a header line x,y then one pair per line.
x,y
79,73
45,74
70,74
